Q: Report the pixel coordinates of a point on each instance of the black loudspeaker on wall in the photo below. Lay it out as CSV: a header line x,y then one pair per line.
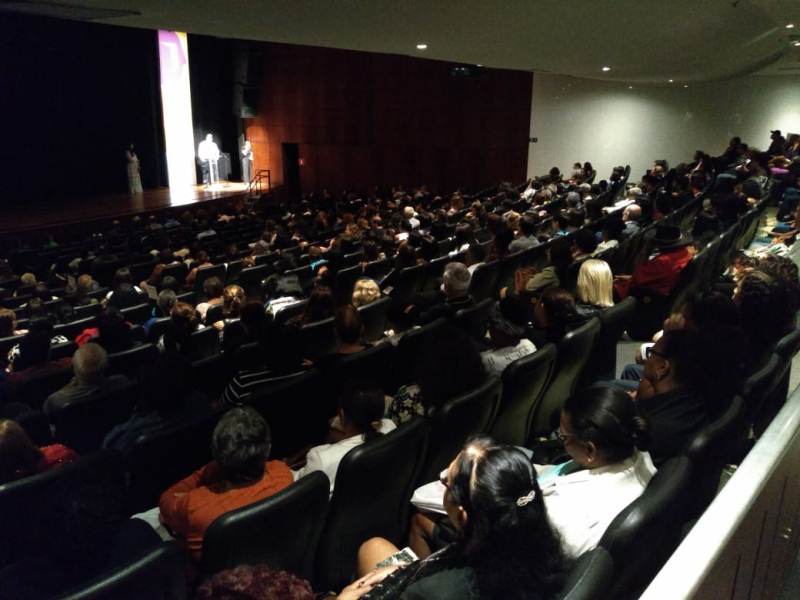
x,y
247,80
249,106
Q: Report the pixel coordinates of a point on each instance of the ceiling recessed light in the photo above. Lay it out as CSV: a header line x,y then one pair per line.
x,y
478,65
684,85
670,80
790,26
606,69
630,87
796,44
422,46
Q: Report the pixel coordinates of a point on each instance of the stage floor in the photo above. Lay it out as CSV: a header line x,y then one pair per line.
x,y
69,211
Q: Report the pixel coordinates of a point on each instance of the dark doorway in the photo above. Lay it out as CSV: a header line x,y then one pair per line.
x,y
291,171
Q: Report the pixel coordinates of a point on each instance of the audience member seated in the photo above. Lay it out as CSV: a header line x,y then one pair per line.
x,y
527,238
434,383
89,364
251,327
320,306
610,236
240,474
163,308
124,294
359,419
503,544
80,295
166,400
201,259
19,456
232,300
475,257
452,297
584,244
670,396
631,217
559,258
349,329
113,332
595,289
659,273
254,582
282,358
365,291
762,303
177,336
554,315
212,288
151,284
8,324
33,360
507,323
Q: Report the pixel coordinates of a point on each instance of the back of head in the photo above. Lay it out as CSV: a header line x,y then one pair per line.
x,y
683,349
19,456
348,324
585,241
456,280
559,306
166,300
8,322
527,225
241,444
365,292
253,317
123,279
762,309
254,581
282,348
212,287
184,318
711,309
595,283
363,407
89,363
607,418
232,298
560,253
114,331
507,538
320,304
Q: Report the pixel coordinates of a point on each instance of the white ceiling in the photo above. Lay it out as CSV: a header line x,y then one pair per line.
x,y
641,40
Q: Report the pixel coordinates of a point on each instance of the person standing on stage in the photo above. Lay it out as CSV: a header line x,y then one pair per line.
x,y
134,172
208,153
247,162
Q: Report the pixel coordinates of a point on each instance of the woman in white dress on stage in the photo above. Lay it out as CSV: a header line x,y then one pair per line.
x,y
134,178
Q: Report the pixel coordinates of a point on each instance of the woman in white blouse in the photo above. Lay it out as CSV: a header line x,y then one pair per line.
x,y
601,431
360,418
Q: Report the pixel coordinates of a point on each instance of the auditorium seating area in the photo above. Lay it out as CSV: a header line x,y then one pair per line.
x,y
258,247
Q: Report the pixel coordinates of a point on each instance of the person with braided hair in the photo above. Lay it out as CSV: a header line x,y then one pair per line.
x,y
505,546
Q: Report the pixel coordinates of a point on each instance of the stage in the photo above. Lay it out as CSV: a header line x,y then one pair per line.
x,y
67,212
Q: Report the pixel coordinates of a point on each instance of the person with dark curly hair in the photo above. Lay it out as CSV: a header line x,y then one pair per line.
x,y
254,582
505,545
239,475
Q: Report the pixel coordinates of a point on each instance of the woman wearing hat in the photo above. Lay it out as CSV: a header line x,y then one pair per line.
x,y
659,273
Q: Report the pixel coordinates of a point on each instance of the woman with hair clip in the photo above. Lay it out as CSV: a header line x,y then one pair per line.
x,y
505,546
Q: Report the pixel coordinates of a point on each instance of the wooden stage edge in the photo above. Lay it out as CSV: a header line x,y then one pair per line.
x,y
69,212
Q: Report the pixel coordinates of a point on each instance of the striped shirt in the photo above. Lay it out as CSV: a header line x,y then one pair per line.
x,y
246,383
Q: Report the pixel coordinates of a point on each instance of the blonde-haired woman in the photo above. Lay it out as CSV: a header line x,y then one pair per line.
x,y
365,292
232,300
595,287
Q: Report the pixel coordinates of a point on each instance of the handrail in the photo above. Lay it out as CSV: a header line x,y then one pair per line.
x,y
256,184
708,548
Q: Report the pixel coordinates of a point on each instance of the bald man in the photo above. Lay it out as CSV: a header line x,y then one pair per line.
x,y
89,364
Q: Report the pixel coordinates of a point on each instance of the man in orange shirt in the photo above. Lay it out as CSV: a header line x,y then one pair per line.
x,y
239,475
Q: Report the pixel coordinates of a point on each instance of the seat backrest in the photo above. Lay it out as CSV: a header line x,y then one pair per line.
x,y
645,533
71,330
137,314
37,426
374,317
250,278
590,576
378,268
204,342
574,351
178,271
373,365
613,321
281,531
318,338
474,320
205,273
26,503
35,391
455,421
524,383
757,387
159,573
788,345
297,410
157,329
83,425
88,310
188,447
409,281
484,280
343,286
130,362
374,484
410,346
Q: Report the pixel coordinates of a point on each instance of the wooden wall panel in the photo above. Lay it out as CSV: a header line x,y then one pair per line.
x,y
365,119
